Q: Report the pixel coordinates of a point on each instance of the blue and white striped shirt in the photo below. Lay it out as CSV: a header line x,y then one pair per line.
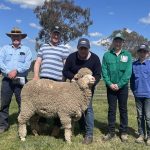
x,y
15,58
52,60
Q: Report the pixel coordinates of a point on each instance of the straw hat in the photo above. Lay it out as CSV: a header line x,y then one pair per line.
x,y
16,31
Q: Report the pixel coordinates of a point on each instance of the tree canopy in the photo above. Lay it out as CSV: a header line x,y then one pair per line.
x,y
132,40
73,20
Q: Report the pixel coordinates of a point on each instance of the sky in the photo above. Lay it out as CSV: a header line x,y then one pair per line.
x,y
107,16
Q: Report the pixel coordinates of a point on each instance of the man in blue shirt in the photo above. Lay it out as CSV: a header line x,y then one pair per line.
x,y
140,85
15,60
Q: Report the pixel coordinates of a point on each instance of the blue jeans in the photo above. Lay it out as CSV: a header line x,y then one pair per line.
x,y
121,96
87,121
7,90
143,115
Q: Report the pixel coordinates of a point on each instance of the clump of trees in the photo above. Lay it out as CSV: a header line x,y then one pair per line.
x,y
73,20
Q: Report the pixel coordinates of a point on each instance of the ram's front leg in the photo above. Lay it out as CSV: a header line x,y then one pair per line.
x,y
66,123
68,134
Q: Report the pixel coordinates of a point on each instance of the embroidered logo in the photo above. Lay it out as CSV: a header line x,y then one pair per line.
x,y
124,58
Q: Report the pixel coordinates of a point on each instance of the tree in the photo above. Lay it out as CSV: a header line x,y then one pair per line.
x,y
132,40
73,20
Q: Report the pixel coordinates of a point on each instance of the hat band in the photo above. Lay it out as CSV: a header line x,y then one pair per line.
x,y
15,32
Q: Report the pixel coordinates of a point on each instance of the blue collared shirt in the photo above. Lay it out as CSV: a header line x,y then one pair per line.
x,y
12,58
140,80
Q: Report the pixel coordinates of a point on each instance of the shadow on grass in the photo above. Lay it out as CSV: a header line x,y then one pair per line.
x,y
103,127
13,118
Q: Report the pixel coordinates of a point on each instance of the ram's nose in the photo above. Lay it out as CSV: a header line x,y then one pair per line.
x,y
92,79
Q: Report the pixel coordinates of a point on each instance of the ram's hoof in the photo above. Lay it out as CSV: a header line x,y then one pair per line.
x,y
23,139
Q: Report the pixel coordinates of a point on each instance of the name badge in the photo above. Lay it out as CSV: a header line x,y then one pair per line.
x,y
124,58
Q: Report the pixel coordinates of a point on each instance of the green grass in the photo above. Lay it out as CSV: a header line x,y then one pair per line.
x,y
10,140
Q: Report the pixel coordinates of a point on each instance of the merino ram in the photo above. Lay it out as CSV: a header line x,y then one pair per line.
x,y
47,98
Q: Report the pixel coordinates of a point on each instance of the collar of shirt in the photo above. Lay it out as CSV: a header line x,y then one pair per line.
x,y
53,45
17,47
144,62
113,51
89,55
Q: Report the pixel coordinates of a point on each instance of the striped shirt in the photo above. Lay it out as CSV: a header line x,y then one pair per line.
x,y
52,60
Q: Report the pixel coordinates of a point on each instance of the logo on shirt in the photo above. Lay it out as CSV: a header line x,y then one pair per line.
x,y
124,58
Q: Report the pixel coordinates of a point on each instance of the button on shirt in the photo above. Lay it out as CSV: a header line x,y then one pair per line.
x,y
12,58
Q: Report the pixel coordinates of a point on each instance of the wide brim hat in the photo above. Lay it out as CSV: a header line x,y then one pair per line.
x,y
119,36
16,31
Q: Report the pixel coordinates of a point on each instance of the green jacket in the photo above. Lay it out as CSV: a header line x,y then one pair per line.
x,y
117,69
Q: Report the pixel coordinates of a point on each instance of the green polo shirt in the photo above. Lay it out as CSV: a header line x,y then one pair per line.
x,y
117,69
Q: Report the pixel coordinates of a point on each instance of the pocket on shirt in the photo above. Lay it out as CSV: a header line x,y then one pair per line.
x,y
146,74
21,58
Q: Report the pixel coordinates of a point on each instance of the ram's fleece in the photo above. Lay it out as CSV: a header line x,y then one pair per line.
x,y
50,98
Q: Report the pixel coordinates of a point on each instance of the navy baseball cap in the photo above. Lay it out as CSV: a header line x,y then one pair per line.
x,y
143,47
83,42
56,29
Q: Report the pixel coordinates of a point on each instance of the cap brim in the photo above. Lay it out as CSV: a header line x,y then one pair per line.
x,y
119,38
56,31
11,34
84,46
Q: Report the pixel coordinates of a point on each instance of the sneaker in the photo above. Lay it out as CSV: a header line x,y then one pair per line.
x,y
87,140
108,136
140,139
124,137
148,142
55,131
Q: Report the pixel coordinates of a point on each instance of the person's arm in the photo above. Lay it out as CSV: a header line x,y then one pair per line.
x,y
37,64
67,67
97,71
106,78
3,67
127,74
26,65
37,68
132,81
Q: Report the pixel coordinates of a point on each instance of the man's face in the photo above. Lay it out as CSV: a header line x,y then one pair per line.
x,y
55,38
16,39
83,52
117,43
143,54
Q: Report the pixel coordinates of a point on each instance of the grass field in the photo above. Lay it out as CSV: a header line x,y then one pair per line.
x,y
10,141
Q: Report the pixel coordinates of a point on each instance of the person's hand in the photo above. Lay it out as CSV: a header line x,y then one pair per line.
x,y
36,78
12,74
114,87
